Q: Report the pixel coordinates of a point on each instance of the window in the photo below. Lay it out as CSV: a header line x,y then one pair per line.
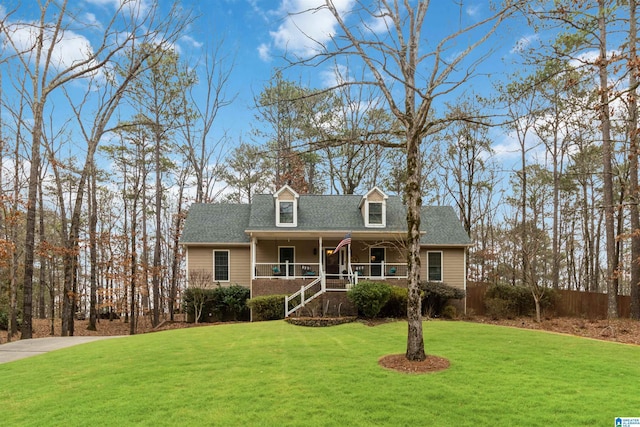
x,y
434,266
375,213
221,266
286,212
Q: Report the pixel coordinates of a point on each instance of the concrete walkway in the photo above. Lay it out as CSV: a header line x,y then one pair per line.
x,y
25,348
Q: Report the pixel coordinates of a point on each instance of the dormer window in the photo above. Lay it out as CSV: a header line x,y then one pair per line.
x,y
286,212
375,213
286,200
374,208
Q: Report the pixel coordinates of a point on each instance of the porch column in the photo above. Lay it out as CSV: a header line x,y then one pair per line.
x,y
254,244
320,254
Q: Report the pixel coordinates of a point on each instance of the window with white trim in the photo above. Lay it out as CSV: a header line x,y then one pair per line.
x,y
285,212
376,213
434,266
221,266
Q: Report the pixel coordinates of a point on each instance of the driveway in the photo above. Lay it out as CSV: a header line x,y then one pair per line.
x,y
25,348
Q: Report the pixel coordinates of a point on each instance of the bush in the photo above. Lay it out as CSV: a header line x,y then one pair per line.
x,y
231,303
436,296
396,306
508,301
269,307
218,304
369,297
449,312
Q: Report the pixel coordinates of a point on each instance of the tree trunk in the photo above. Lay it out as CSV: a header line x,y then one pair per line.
x,y
607,149
415,338
32,203
634,212
93,221
158,239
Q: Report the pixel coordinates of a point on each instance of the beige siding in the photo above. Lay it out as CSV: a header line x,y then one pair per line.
x,y
201,261
375,197
453,270
267,250
240,266
286,196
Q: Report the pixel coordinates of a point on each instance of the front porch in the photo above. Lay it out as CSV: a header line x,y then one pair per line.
x,y
352,273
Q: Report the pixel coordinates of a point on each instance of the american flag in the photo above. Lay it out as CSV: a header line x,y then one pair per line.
x,y
344,242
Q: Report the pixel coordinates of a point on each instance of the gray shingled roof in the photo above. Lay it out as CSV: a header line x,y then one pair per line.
x,y
442,227
212,223
323,212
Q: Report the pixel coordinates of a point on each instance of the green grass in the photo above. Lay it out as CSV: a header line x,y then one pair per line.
x,y
273,373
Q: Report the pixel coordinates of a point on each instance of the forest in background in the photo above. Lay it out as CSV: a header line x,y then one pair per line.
x,y
93,203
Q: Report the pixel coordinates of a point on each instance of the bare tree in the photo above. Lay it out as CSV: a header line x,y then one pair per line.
x,y
39,57
410,77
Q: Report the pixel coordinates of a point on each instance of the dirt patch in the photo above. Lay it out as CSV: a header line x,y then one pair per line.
x,y
618,330
42,328
399,363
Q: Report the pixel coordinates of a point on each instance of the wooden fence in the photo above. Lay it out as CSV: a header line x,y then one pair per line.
x,y
590,305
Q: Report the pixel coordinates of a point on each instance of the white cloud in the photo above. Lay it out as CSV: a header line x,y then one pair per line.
x,y
306,25
191,41
380,24
590,57
473,10
264,52
335,76
68,50
524,42
133,7
91,20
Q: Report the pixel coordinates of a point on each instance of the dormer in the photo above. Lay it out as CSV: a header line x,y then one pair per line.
x,y
373,207
286,200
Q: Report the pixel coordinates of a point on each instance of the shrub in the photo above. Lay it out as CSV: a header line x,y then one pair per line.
x,y
449,312
369,297
231,303
508,301
436,295
269,307
217,304
396,306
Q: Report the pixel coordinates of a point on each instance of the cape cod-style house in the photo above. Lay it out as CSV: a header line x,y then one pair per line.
x,y
317,245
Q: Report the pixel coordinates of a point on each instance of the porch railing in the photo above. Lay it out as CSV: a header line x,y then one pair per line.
x,y
287,270
358,271
379,270
306,294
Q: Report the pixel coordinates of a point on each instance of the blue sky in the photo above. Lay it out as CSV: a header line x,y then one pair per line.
x,y
255,34
259,32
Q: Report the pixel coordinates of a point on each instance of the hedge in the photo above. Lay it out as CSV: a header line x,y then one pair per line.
x,y
219,304
268,307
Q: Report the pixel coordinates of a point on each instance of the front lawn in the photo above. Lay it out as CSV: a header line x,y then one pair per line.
x,y
274,373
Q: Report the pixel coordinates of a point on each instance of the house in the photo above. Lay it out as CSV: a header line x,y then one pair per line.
x,y
285,243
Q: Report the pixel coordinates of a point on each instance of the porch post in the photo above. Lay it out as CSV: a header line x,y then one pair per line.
x,y
254,244
320,252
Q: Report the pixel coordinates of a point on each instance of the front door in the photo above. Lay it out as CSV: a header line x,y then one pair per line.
x,y
334,262
377,257
286,254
